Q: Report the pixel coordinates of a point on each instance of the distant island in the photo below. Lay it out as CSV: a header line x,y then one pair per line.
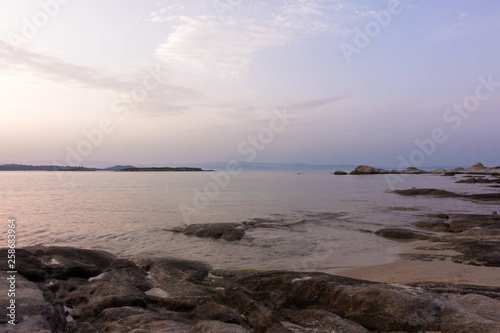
x,y
23,167
160,169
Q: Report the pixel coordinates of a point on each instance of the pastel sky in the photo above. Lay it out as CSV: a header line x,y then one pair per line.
x,y
290,81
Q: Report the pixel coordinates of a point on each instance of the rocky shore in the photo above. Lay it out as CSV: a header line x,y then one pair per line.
x,y
60,289
477,169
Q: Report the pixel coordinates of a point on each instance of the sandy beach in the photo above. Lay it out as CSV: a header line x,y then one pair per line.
x,y
437,267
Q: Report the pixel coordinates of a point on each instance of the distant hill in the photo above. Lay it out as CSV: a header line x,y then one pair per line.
x,y
160,169
23,167
278,166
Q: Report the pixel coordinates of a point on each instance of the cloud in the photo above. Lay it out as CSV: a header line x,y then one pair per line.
x,y
166,97
228,45
314,103
225,47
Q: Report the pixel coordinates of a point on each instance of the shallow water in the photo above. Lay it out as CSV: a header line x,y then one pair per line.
x,y
320,221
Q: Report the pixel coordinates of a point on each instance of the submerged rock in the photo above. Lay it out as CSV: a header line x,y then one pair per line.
x,y
448,194
226,231
402,234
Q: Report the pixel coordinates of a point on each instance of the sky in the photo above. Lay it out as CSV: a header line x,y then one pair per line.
x,y
384,83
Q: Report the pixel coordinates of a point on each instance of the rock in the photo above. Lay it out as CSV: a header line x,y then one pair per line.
x,y
467,181
484,196
176,295
177,277
64,262
259,317
461,222
471,314
434,225
374,306
448,194
413,170
478,165
29,302
367,170
426,191
33,324
226,231
323,320
27,264
401,234
437,171
94,297
214,311
340,172
473,180
458,289
136,319
478,252
455,170
216,326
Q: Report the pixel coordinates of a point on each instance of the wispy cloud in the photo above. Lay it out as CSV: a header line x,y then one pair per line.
x,y
227,46
167,98
315,103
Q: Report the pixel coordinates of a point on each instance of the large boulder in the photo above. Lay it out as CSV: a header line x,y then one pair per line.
x,y
65,262
27,264
376,307
367,170
413,171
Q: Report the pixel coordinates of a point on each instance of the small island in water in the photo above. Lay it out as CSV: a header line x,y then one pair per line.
x,y
23,167
154,169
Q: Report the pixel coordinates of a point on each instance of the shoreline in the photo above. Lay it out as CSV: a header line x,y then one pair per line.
x,y
408,269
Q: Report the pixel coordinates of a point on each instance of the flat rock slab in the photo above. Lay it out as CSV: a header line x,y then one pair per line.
x,y
448,194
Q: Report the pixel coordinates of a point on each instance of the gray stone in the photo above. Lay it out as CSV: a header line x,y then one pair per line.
x,y
177,277
65,262
471,314
367,170
217,326
226,231
322,320
33,324
29,300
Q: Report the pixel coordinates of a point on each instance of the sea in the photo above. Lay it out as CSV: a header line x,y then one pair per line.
x,y
314,220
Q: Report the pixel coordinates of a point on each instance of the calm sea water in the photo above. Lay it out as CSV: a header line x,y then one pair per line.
x,y
321,221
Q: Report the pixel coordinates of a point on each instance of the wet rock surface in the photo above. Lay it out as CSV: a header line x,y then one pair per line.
x,y
77,290
402,234
229,231
448,194
476,237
